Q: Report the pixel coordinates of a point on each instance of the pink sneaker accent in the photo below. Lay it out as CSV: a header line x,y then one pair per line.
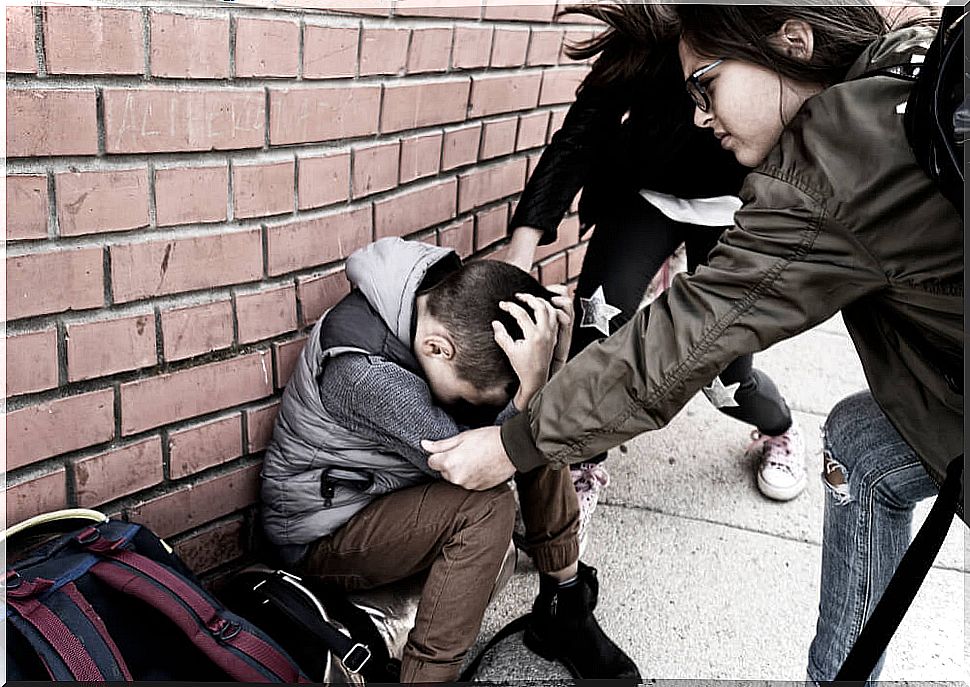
x,y
781,463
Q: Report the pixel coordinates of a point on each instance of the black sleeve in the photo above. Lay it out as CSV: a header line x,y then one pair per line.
x,y
593,118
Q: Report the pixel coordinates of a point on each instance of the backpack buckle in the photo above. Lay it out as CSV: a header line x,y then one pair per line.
x,y
356,658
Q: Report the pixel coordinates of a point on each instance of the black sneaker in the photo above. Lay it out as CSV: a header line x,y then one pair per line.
x,y
562,628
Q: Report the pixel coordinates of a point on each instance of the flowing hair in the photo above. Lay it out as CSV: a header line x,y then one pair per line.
x,y
744,32
636,37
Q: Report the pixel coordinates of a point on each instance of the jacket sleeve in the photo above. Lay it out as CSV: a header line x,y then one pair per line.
x,y
561,170
785,267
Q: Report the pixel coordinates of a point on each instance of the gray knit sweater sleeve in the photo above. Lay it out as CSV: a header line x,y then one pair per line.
x,y
387,403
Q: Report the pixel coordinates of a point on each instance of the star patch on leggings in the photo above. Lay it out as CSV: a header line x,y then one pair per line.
x,y
597,312
721,396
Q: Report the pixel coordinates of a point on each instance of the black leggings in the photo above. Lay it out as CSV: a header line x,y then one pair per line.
x,y
631,241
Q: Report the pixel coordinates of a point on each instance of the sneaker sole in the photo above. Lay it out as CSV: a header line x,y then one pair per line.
x,y
779,493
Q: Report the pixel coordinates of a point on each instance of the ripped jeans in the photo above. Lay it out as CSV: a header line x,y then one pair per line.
x,y
868,522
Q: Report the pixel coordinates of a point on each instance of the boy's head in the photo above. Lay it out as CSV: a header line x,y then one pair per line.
x,y
454,341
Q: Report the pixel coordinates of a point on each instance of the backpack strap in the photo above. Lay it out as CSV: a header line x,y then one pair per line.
x,y
905,582
62,627
224,637
302,607
511,628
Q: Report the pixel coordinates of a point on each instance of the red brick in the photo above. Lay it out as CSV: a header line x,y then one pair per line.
x,y
323,180
259,426
497,94
200,503
372,8
570,39
36,495
286,355
195,391
544,47
93,40
97,202
430,50
555,122
375,168
31,362
260,190
491,226
213,547
383,51
460,146
59,426
266,47
319,294
309,243
472,48
553,270
189,47
533,161
51,122
26,206
410,105
573,18
408,212
514,10
191,194
152,120
20,40
187,332
267,313
119,472
185,264
509,48
77,272
448,9
420,157
498,137
532,131
574,259
96,349
204,445
460,236
559,85
482,186
329,52
323,114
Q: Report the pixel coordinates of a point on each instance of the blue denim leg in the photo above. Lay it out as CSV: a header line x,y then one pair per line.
x,y
873,480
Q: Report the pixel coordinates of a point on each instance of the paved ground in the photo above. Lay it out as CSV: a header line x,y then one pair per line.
x,y
703,578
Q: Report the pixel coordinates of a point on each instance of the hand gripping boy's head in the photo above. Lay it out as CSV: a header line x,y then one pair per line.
x,y
454,341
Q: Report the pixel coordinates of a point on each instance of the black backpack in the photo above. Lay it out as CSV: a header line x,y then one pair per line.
x,y
937,115
109,601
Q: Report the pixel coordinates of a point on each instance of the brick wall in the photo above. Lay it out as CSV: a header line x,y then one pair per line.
x,y
183,185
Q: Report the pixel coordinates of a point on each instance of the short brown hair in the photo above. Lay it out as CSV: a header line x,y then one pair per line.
x,y
466,303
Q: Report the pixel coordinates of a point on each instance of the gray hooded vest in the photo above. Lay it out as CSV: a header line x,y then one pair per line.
x,y
317,474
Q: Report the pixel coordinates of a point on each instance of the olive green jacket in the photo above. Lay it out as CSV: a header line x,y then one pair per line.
x,y
839,217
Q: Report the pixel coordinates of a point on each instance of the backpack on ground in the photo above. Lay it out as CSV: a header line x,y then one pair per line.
x,y
109,601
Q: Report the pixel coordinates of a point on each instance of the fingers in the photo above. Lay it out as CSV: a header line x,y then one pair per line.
x,y
441,445
545,313
526,323
502,337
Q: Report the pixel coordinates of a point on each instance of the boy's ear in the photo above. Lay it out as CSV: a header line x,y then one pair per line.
x,y
437,346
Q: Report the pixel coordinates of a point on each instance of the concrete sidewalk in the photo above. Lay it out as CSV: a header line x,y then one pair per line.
x,y
703,578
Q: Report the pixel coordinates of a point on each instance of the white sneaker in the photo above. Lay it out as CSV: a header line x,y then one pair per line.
x,y
588,479
781,463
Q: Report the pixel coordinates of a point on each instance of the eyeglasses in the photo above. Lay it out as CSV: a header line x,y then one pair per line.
x,y
697,90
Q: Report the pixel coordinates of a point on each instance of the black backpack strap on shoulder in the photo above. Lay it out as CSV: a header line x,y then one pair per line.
x,y
906,581
517,625
301,606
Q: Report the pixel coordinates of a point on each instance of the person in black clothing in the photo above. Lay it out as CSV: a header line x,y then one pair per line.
x,y
651,181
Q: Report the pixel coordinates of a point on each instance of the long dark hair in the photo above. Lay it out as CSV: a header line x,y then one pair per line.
x,y
636,37
743,32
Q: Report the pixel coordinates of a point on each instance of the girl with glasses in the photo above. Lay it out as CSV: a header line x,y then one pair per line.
x,y
650,182
837,216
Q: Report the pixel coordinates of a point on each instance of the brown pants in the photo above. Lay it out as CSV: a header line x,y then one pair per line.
x,y
459,538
